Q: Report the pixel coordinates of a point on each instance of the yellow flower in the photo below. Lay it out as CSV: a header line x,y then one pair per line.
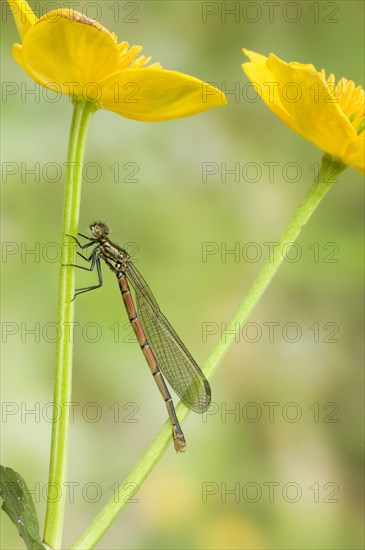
x,y
67,52
329,115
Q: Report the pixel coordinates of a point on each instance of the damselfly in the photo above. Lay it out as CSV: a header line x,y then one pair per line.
x,y
164,351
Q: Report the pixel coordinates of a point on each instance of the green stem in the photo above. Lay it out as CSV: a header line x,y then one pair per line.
x,y
330,169
63,372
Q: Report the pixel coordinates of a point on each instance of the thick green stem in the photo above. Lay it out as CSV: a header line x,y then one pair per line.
x,y
330,169
63,371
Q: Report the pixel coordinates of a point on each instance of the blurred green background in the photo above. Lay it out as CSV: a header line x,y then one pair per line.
x,y
292,449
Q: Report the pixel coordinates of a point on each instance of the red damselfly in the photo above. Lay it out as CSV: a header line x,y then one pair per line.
x,y
164,351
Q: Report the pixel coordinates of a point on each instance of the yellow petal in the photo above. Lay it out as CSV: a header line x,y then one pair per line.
x,y
66,48
264,82
19,58
355,153
23,16
326,114
153,95
317,115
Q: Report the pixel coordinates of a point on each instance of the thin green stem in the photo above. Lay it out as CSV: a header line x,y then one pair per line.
x,y
63,370
330,169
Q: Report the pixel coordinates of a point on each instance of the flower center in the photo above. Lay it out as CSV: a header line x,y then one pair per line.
x,y
128,58
350,98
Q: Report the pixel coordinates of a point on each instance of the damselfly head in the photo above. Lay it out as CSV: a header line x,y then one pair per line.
x,y
99,229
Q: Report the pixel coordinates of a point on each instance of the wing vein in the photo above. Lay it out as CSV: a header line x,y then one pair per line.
x,y
172,356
